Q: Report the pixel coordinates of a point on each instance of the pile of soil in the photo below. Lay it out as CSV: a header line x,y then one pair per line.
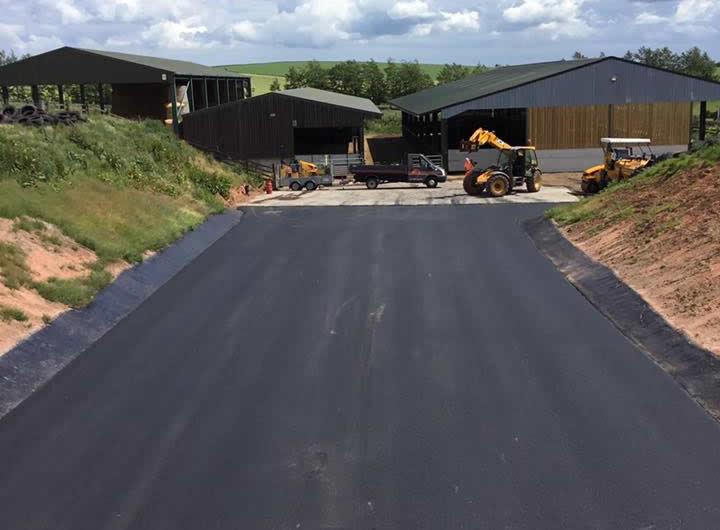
x,y
49,254
667,248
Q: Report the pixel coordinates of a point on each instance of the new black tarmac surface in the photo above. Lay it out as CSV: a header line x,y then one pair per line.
x,y
358,369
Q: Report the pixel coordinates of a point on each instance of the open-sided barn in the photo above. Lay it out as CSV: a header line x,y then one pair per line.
x,y
141,86
282,124
561,107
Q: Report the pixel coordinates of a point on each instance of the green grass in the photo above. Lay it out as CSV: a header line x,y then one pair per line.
x,y
261,83
117,186
13,270
10,313
76,292
28,225
613,204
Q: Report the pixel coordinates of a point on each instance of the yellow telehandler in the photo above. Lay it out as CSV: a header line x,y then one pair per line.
x,y
515,166
620,162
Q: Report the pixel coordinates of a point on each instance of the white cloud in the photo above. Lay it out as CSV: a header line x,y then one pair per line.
x,y
175,34
557,18
461,20
695,11
413,9
647,18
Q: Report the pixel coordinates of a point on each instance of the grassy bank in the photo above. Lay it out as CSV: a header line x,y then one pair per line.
x,y
616,202
119,187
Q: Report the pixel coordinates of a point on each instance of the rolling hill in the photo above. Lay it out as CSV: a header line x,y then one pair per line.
x,y
262,74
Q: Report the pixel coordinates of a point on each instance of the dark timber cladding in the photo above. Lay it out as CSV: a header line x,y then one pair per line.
x,y
557,105
281,124
142,86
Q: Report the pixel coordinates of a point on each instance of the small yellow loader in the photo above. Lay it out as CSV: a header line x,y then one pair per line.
x,y
624,158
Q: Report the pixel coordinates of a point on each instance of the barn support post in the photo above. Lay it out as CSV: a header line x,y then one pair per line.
x,y
361,140
5,95
173,101
205,93
35,92
703,120
227,90
83,101
101,96
217,91
444,143
61,96
190,96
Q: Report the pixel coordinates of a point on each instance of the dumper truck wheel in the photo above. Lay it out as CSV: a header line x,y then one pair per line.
x,y
470,186
591,187
497,185
534,182
371,183
310,186
295,186
431,182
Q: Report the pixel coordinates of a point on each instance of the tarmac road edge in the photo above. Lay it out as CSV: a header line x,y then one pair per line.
x,y
34,361
695,369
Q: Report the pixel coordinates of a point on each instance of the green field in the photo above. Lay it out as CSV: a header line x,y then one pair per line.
x,y
262,74
281,68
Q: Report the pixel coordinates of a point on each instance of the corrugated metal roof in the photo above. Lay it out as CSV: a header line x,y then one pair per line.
x,y
333,98
481,85
169,65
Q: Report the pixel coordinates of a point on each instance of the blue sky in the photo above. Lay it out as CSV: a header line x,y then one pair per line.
x,y
239,31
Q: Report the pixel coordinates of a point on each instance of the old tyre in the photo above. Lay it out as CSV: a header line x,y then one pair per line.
x,y
431,182
497,185
592,187
295,186
470,186
371,183
534,182
310,186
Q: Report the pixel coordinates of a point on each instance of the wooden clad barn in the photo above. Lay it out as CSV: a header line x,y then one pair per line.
x,y
282,124
562,107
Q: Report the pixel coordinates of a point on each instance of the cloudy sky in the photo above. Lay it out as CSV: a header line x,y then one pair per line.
x,y
239,31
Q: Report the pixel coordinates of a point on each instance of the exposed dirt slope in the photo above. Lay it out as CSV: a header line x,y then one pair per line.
x,y
662,237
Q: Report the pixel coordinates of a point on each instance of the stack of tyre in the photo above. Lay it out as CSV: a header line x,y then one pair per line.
x,y
32,115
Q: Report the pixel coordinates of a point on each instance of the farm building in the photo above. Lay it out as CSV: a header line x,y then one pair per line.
x,y
147,87
283,124
563,108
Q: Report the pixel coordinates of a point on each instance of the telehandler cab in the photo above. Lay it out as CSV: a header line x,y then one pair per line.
x,y
515,166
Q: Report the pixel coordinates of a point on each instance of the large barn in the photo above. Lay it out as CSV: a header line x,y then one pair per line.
x,y
304,121
563,108
142,86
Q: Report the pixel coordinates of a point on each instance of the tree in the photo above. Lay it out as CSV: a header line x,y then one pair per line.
x,y
698,63
578,55
692,62
295,78
275,85
453,72
346,78
375,85
406,78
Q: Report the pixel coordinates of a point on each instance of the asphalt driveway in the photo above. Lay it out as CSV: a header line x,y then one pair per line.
x,y
363,368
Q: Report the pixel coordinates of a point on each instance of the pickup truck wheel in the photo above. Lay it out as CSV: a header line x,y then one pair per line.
x,y
295,186
431,182
310,186
371,183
